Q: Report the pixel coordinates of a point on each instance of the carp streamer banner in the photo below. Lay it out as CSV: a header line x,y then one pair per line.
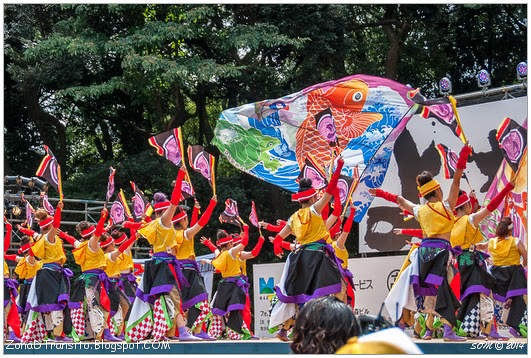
x,y
358,116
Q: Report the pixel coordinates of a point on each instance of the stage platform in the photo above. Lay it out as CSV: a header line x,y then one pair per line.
x,y
264,346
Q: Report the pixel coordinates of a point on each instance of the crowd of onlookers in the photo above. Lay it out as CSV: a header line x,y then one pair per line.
x,y
326,325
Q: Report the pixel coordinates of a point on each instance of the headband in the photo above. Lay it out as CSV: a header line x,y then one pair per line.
x,y
87,232
236,239
24,249
427,188
303,195
179,217
224,240
106,243
46,222
161,206
462,200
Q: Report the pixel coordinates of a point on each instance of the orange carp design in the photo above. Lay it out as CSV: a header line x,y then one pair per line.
x,y
345,101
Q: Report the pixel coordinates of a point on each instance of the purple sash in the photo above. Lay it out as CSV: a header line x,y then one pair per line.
x,y
171,260
102,277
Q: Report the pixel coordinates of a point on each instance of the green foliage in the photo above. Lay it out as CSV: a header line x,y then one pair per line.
x,y
94,82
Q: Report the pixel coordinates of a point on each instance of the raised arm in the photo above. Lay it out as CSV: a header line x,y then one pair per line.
x,y
346,229
336,212
191,232
94,239
56,222
210,245
175,200
405,204
493,204
461,166
195,213
123,247
332,185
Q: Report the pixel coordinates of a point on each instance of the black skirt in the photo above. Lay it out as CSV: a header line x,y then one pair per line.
x,y
23,296
161,275
129,285
193,289
313,271
230,300
432,280
89,279
52,289
510,283
475,279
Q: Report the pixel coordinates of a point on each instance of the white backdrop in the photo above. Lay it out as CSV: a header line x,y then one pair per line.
x,y
373,278
415,151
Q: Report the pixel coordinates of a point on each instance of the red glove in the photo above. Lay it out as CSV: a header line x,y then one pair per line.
x,y
245,238
350,220
385,195
68,238
210,245
325,212
7,238
412,232
286,245
23,248
176,195
25,231
101,222
332,185
337,203
406,213
496,201
463,157
57,218
335,229
125,245
195,216
277,248
206,215
258,247
131,225
275,228
10,257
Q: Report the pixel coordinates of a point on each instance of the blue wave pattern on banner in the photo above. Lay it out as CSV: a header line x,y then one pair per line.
x,y
271,139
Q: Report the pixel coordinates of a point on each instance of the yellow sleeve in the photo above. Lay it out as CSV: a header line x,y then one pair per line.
x,y
19,269
80,253
150,231
220,262
38,249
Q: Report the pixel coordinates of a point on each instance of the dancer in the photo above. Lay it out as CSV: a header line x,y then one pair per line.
x,y
194,295
477,309
49,294
156,308
510,286
10,285
229,301
90,290
118,301
26,269
312,270
434,254
127,278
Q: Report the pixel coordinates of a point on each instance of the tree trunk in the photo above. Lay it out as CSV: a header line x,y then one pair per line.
x,y
396,36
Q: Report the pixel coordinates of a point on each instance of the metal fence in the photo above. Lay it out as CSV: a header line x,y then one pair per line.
x,y
75,210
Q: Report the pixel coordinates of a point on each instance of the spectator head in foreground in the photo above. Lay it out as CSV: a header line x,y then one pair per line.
x,y
386,341
323,325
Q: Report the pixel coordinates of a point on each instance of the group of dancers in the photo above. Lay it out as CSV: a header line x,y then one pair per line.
x,y
171,301
105,302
